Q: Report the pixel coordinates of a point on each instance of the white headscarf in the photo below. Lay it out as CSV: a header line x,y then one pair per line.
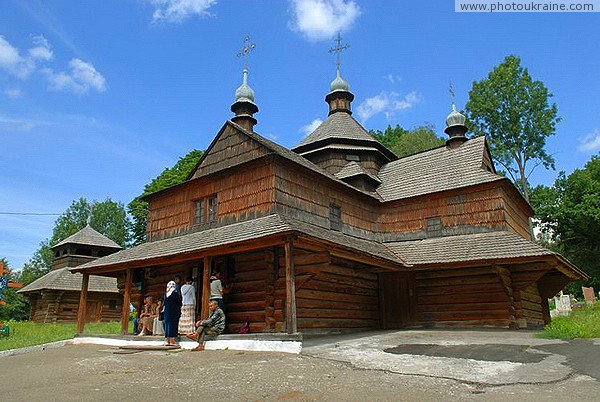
x,y
171,286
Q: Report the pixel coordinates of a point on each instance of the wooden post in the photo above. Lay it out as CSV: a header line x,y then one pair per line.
x,y
290,290
82,303
205,288
126,301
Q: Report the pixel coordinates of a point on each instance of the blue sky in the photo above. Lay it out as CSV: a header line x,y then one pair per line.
x,y
98,97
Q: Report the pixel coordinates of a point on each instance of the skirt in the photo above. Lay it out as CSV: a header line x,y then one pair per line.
x,y
158,328
187,324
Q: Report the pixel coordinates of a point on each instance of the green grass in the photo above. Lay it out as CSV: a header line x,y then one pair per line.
x,y
578,324
27,333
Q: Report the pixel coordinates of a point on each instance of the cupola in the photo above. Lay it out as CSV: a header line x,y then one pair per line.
x,y
244,106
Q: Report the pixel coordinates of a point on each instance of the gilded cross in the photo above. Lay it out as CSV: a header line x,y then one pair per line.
x,y
246,50
338,49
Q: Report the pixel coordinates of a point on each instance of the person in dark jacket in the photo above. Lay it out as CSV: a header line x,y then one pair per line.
x,y
213,325
172,313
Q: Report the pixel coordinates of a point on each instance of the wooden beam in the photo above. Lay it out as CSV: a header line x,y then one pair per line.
x,y
82,303
205,287
126,301
290,290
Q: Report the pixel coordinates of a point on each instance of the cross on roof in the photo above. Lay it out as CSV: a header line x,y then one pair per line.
x,y
338,49
451,92
246,50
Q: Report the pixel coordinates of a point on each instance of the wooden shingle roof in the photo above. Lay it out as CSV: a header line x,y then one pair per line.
x,y
235,233
90,237
340,126
353,169
63,279
490,246
436,170
343,130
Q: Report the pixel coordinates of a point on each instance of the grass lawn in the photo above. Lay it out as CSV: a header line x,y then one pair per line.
x,y
26,333
578,324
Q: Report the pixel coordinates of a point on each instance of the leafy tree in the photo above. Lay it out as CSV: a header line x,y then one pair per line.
x,y
107,217
407,142
569,214
17,305
177,174
514,111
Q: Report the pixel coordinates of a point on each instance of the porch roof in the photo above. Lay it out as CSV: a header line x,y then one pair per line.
x,y
62,279
498,247
254,229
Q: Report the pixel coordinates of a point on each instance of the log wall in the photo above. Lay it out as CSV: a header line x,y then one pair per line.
x,y
242,196
331,294
308,197
334,294
517,221
461,212
532,306
51,306
462,297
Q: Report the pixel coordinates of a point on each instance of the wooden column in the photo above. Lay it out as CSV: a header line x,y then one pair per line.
x,y
82,303
291,324
126,301
205,288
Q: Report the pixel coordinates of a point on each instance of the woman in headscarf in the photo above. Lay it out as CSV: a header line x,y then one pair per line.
x,y
172,313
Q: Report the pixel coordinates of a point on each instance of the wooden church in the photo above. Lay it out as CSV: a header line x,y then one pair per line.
x,y
54,298
339,234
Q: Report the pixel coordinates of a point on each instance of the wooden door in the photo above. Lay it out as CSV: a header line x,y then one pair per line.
x,y
397,299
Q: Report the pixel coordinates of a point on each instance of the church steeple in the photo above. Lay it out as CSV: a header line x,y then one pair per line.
x,y
455,125
339,98
244,106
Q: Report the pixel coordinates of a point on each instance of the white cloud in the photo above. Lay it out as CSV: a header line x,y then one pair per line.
x,y
310,127
12,61
11,125
179,10
41,49
393,78
13,93
590,142
80,79
322,19
386,102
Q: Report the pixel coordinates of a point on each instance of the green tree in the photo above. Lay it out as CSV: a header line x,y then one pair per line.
x,y
177,174
514,112
404,142
107,217
569,214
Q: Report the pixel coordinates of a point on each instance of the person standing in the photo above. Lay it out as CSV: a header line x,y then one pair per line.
x,y
188,309
172,313
216,289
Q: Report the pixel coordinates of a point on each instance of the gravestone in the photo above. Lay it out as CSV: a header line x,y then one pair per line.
x,y
588,295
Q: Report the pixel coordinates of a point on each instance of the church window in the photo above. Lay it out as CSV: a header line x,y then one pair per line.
x,y
335,217
205,210
351,157
434,227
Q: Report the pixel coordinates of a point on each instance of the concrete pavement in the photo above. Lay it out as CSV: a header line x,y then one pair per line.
x,y
486,357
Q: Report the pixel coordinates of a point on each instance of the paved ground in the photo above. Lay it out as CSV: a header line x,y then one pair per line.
x,y
404,365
